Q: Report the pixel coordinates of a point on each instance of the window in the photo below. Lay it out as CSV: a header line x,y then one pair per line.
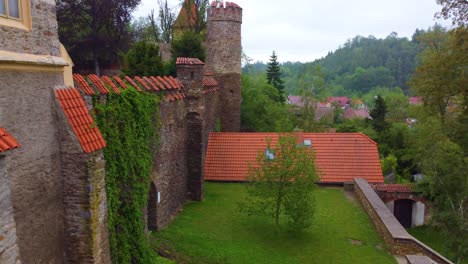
x,y
269,154
15,13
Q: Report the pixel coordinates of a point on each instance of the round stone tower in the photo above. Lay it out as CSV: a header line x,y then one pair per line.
x,y
224,50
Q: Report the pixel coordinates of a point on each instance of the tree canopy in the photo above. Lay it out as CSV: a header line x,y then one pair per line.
x,y
95,32
282,183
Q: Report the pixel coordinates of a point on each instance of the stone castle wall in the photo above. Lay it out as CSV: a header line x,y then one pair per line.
x,y
8,246
26,110
42,39
170,165
397,239
57,193
224,50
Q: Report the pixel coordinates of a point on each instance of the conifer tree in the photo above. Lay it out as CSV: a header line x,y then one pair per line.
x,y
274,77
378,121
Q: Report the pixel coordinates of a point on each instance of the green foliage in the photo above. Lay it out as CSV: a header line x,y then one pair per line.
x,y
274,77
144,59
214,232
128,124
378,122
95,32
446,172
441,78
283,184
260,110
389,164
188,45
435,238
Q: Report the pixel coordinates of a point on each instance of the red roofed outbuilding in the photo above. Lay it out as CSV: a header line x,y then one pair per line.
x,y
340,157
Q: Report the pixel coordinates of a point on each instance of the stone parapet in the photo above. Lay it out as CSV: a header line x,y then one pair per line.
x,y
228,12
397,239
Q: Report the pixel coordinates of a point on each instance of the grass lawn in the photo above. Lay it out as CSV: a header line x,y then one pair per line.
x,y
214,231
434,238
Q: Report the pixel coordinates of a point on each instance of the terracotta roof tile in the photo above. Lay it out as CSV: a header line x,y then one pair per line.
x,y
339,156
342,100
120,82
173,82
164,82
209,82
98,84
151,83
142,82
7,141
133,83
158,83
80,119
394,187
189,61
109,82
169,83
181,85
83,84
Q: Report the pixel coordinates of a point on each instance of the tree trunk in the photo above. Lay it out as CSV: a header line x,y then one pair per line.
x,y
96,64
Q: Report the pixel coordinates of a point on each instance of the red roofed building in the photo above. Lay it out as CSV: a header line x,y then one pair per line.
x,y
341,100
339,156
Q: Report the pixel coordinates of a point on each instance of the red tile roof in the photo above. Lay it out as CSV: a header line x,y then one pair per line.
x,y
342,100
80,119
189,61
7,141
80,80
339,156
209,82
142,82
350,113
98,84
120,82
133,83
186,19
109,82
394,187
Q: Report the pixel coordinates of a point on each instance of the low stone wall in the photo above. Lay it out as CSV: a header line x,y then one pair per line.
x,y
398,240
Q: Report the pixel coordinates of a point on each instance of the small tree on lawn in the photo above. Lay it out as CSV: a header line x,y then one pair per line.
x,y
282,182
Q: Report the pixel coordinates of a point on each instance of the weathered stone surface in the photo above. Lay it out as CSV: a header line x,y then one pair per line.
x,y
224,51
397,239
9,252
170,166
26,109
84,199
42,39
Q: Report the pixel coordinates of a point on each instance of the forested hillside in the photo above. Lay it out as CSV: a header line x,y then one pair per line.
x,y
357,67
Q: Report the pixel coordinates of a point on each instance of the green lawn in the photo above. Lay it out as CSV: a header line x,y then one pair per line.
x,y
434,238
214,231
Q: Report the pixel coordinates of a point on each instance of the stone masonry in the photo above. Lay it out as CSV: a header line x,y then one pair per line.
x,y
8,247
52,192
224,51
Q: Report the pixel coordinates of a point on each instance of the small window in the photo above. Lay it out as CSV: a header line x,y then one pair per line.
x,y
15,13
269,154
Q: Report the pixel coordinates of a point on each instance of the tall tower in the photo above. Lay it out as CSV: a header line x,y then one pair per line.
x,y
224,50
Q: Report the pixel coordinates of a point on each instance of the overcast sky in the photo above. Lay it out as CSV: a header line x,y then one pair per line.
x,y
304,30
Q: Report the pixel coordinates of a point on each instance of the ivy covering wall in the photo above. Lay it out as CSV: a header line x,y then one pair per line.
x,y
128,122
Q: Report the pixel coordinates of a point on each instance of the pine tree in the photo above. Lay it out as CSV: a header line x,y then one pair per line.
x,y
274,77
378,115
